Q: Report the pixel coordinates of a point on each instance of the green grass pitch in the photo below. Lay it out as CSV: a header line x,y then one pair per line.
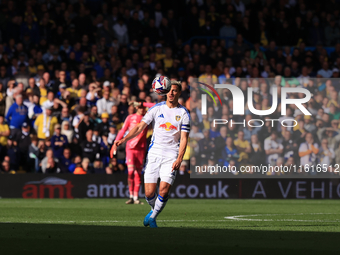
x,y
108,226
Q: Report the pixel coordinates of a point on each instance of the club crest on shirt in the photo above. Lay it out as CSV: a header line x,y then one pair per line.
x,y
178,117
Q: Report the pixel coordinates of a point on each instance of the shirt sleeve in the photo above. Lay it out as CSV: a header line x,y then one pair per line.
x,y
37,121
148,104
65,139
124,128
150,115
267,144
75,121
303,147
53,141
185,127
54,121
9,114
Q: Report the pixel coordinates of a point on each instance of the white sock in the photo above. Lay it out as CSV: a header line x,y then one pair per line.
x,y
131,196
135,198
159,206
151,201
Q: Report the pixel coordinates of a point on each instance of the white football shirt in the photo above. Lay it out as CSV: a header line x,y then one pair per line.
x,y
168,124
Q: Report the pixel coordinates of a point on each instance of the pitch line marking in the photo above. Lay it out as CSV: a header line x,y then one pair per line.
x,y
242,217
226,219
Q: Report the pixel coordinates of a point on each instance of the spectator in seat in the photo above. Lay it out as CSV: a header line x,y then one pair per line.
x,y
52,167
65,115
4,77
33,151
75,147
75,89
104,104
273,148
325,72
17,114
242,146
84,125
121,32
112,167
23,140
13,153
308,151
48,155
90,149
290,146
206,147
6,168
22,75
84,168
4,133
34,109
123,107
257,153
58,141
229,152
98,167
66,161
34,88
228,31
326,154
44,124
43,92
67,131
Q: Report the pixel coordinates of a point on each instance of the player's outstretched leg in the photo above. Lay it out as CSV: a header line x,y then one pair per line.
x,y
160,203
150,196
146,219
151,200
131,171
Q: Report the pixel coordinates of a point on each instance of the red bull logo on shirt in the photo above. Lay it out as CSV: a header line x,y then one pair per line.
x,y
168,126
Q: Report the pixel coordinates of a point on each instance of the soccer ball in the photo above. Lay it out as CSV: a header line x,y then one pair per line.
x,y
161,85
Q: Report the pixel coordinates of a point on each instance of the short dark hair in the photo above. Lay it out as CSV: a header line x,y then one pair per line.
x,y
178,83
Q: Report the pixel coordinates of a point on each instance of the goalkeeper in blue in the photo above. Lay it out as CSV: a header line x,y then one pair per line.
x,y
168,144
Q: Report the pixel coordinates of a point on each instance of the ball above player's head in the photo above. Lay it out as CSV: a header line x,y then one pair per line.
x,y
161,85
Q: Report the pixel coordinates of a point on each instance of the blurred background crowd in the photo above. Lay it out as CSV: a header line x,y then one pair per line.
x,y
306,144
69,70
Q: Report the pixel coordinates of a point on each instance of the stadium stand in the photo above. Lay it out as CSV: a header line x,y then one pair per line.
x,y
70,69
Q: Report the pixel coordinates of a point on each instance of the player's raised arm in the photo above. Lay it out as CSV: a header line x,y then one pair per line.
x,y
182,148
120,136
132,134
144,104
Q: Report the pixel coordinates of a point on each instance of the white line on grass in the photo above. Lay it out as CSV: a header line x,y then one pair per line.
x,y
245,217
226,219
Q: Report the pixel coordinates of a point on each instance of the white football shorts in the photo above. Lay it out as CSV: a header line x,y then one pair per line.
x,y
160,166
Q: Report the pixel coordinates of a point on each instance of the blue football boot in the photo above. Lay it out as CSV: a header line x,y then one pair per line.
x,y
152,223
146,219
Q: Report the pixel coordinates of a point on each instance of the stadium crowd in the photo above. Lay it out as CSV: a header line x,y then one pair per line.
x,y
306,144
69,71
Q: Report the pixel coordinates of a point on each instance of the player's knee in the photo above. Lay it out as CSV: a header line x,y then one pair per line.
x,y
149,194
137,178
130,175
164,192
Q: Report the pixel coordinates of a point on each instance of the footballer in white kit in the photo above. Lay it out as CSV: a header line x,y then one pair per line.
x,y
168,144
